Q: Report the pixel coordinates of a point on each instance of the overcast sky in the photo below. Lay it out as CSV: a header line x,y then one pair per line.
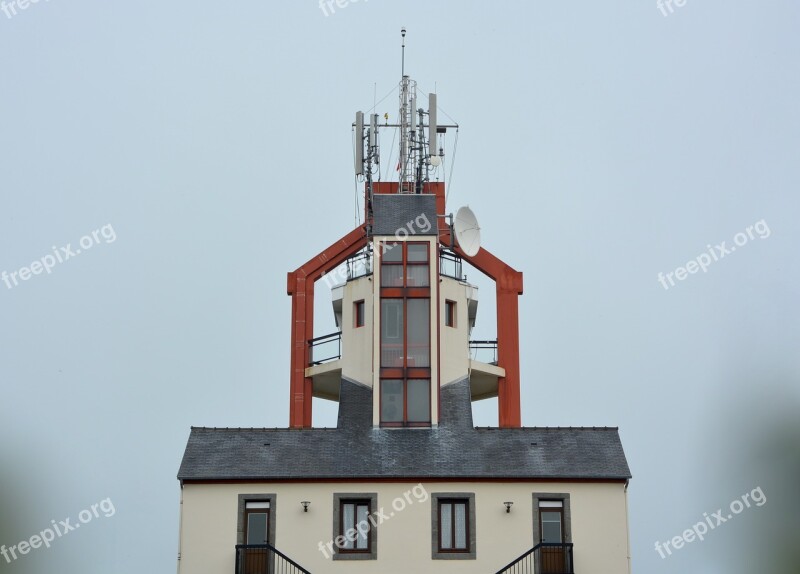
x,y
208,146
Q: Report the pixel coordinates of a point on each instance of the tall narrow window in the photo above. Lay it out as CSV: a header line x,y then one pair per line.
x,y
257,519
453,526
355,530
355,525
405,334
450,313
555,556
358,313
255,555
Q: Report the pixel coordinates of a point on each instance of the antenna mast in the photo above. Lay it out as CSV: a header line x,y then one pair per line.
x,y
406,115
419,149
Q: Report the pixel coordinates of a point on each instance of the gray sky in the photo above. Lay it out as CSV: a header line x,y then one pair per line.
x,y
601,143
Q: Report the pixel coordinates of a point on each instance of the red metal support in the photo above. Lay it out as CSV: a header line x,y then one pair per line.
x,y
508,285
300,285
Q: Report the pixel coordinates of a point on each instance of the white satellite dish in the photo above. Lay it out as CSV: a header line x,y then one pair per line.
x,y
467,231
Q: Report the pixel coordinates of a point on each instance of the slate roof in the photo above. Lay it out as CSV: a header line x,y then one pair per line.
x,y
454,450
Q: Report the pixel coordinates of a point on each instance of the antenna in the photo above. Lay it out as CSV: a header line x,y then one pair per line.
x,y
433,148
403,58
359,160
467,231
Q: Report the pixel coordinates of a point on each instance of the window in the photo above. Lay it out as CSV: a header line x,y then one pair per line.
x,y
450,313
453,526
551,526
256,523
405,264
405,334
405,402
354,526
255,529
256,520
358,313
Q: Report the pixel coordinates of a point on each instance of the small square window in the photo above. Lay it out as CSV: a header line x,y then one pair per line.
x,y
358,313
450,313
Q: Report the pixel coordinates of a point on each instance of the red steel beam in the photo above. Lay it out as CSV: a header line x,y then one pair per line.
x,y
508,285
300,285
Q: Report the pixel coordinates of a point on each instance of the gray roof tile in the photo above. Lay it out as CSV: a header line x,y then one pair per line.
x,y
357,450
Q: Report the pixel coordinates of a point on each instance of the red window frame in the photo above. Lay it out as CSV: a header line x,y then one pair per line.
x,y
404,292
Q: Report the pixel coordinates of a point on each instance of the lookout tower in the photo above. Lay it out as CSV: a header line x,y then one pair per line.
x,y
404,309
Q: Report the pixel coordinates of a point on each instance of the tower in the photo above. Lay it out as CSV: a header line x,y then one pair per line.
x,y
404,310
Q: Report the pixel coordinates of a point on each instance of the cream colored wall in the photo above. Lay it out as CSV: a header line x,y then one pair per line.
x,y
599,526
357,343
435,310
454,340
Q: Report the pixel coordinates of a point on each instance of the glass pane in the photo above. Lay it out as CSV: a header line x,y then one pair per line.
x,y
391,332
419,398
392,252
551,527
391,275
391,401
445,525
417,252
348,522
461,526
419,351
257,528
362,542
418,276
359,314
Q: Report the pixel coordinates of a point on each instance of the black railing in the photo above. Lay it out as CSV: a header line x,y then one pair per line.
x,y
359,265
450,265
264,559
482,347
322,349
544,558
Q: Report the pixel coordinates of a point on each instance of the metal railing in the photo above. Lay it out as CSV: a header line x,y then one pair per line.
x,y
544,558
264,559
324,345
359,265
450,265
482,348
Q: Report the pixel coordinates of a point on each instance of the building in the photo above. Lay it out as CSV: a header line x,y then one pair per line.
x,y
405,482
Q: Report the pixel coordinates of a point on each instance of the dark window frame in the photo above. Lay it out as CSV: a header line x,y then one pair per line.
x,y
450,313
471,552
243,499
566,516
359,308
452,503
339,500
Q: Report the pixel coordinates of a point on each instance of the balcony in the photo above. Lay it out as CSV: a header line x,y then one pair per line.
x,y
484,371
264,559
325,365
544,558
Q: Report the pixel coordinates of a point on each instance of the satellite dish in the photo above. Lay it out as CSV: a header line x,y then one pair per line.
x,y
467,231
436,161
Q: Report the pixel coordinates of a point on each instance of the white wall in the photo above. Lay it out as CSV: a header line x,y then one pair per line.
x,y
599,526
